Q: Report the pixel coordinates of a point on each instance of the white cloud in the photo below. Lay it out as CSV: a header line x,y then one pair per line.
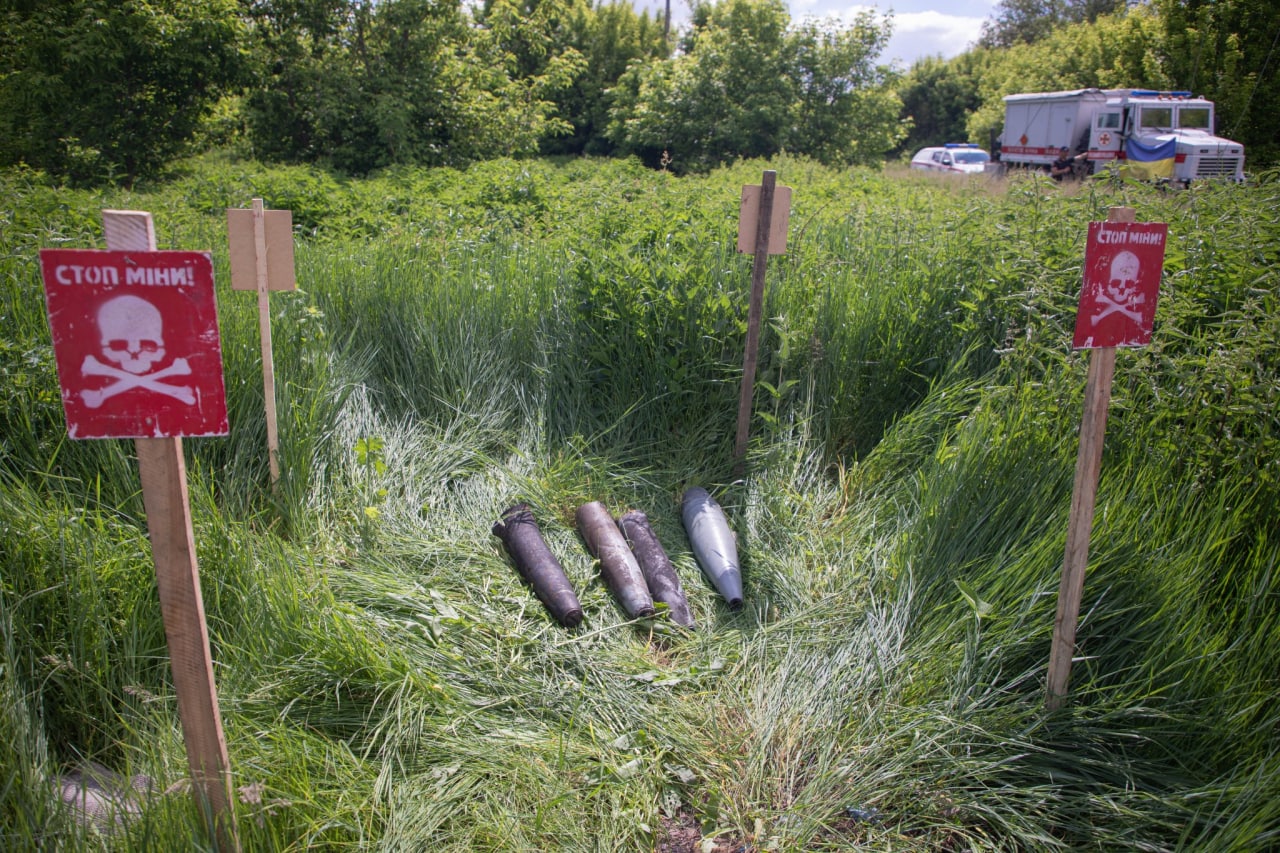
x,y
918,34
915,34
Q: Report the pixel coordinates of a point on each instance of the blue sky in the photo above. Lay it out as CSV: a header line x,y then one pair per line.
x,y
920,27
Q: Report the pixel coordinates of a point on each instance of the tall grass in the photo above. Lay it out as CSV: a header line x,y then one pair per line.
x,y
558,333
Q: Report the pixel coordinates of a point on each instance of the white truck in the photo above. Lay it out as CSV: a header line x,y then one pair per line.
x,y
1152,134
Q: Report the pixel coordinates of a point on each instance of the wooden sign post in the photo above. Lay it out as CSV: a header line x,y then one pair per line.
x,y
261,247
762,230
1117,307
136,343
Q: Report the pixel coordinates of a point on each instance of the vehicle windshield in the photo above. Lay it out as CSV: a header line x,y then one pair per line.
x,y
970,156
1157,118
1195,118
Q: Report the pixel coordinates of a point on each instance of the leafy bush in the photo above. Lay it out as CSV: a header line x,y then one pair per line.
x,y
97,91
748,84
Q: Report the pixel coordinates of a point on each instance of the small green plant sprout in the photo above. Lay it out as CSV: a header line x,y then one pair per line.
x,y
980,608
370,457
304,317
779,393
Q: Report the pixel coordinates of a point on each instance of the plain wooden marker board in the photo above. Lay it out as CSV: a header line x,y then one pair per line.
x,y
749,218
763,216
278,237
260,243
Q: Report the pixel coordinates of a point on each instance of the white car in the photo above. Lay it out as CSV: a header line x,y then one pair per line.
x,y
954,157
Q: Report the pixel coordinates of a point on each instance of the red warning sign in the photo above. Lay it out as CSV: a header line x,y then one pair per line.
x,y
135,337
1122,266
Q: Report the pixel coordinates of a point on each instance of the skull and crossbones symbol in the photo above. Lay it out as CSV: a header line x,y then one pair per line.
x,y
1120,295
132,337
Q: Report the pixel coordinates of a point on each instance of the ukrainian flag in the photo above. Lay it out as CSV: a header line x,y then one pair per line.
x,y
1148,162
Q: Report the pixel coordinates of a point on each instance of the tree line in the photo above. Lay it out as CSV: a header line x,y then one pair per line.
x,y
1225,50
98,89
102,90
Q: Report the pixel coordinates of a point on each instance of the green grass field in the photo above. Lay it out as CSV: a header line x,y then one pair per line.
x,y
557,333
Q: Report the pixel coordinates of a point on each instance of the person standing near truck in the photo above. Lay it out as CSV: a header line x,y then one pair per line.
x,y
1065,165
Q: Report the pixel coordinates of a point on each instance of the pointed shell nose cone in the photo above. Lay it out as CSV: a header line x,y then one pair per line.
x,y
713,544
617,563
659,574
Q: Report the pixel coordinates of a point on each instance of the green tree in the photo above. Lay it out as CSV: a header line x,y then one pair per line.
x,y
97,90
844,112
726,95
938,96
1029,21
295,44
363,84
512,104
1229,51
530,33
1116,51
1225,50
609,37
746,84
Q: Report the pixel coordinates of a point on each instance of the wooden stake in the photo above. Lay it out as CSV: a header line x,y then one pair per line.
x,y
163,473
264,326
754,318
1084,493
164,494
